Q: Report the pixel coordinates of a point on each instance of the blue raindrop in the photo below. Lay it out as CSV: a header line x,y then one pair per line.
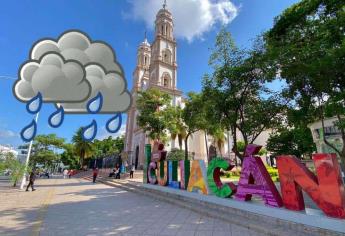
x,y
114,124
56,118
34,105
95,104
89,132
28,133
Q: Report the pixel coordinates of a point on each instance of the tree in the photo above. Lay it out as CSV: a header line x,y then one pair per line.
x,y
108,146
219,137
236,94
45,148
194,117
69,157
15,167
292,141
84,149
151,118
175,124
307,47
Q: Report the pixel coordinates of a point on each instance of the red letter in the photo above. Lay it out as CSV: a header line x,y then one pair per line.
x,y
326,190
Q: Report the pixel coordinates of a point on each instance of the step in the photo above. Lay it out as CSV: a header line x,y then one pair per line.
x,y
256,217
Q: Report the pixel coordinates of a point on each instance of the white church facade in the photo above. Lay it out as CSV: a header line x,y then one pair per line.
x,y
157,68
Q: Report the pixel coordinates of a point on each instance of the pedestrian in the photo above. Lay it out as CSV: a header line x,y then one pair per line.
x,y
65,173
118,172
95,174
69,173
131,172
32,178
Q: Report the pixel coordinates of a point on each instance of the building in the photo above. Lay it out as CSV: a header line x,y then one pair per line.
x,y
331,132
7,149
157,68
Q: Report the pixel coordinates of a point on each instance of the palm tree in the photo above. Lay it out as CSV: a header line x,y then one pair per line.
x,y
219,139
82,148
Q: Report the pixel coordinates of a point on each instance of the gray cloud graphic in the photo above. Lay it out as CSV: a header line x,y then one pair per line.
x,y
56,79
111,85
75,45
70,71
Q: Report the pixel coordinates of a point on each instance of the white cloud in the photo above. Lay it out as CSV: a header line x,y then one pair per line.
x,y
103,133
192,18
8,134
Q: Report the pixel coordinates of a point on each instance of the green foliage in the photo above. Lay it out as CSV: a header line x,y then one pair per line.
x,y
151,104
82,148
14,166
235,91
17,170
69,157
194,116
176,155
44,149
241,146
295,141
235,174
108,146
175,124
307,46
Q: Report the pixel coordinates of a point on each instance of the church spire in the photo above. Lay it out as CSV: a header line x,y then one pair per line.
x,y
165,4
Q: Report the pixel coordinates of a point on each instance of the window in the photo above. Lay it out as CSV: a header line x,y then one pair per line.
x,y
167,56
166,80
145,60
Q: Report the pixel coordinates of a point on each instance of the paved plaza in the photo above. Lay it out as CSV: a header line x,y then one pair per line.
x,y
78,207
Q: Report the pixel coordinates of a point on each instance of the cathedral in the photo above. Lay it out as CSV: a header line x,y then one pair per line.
x,y
157,68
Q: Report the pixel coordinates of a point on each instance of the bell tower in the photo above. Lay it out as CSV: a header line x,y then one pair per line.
x,y
141,72
156,67
163,68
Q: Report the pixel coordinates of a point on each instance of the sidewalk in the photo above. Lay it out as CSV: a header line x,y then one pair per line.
x,y
79,207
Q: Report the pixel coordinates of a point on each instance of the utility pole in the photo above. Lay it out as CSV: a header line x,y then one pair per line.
x,y
28,158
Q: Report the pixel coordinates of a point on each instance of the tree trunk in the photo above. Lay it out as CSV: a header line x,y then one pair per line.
x,y
180,140
234,148
186,147
206,143
82,154
342,160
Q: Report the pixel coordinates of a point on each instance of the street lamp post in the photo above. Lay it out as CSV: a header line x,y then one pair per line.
x,y
28,157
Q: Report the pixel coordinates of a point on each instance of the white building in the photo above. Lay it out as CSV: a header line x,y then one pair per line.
x,y
330,132
157,68
8,149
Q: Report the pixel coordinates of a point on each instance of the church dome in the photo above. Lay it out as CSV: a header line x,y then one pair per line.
x,y
145,43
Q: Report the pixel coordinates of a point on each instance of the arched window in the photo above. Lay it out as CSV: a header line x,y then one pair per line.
x,y
145,60
166,81
166,56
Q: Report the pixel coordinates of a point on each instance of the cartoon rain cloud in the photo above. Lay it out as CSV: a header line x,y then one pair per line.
x,y
79,76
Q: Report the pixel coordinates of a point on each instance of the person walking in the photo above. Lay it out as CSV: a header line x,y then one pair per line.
x,y
65,173
32,178
131,173
95,174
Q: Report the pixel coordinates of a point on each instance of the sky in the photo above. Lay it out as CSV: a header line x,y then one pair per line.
x,y
120,23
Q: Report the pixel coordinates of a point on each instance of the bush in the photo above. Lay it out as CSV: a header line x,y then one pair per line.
x,y
237,173
177,155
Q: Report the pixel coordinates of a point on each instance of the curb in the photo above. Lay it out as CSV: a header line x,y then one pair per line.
x,y
256,223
